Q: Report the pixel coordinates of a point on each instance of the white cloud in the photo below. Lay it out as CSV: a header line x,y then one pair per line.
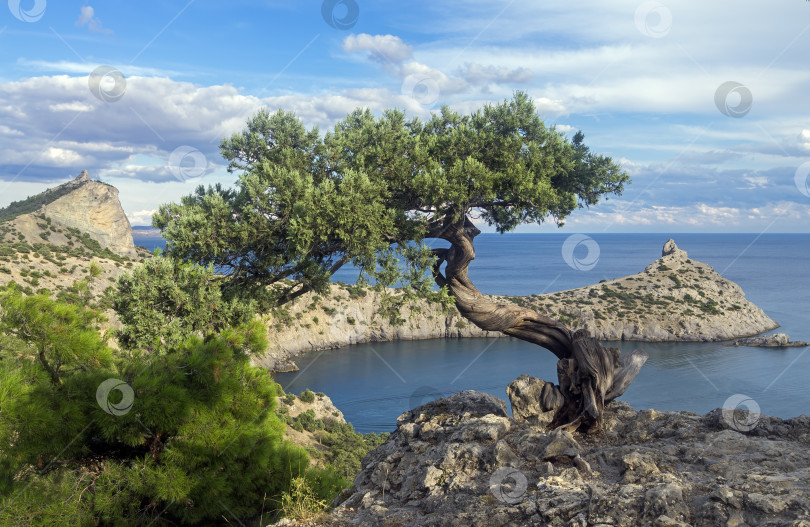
x,y
478,74
59,126
73,106
756,181
695,217
388,48
87,17
85,68
804,140
5,130
392,53
141,217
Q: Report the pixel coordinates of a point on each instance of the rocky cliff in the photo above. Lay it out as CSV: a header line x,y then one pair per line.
x,y
89,207
349,315
673,299
463,461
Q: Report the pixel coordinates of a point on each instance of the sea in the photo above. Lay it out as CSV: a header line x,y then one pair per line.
x,y
372,384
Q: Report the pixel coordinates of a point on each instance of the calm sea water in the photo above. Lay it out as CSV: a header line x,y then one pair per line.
x,y
373,383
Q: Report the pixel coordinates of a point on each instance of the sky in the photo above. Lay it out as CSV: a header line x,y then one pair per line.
x,y
704,104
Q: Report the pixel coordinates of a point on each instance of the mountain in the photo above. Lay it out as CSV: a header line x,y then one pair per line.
x,y
83,205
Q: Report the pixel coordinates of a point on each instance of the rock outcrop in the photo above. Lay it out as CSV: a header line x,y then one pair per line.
x,y
91,207
343,317
462,461
775,340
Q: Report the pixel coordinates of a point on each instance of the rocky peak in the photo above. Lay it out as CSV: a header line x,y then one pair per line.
x,y
670,248
90,206
83,177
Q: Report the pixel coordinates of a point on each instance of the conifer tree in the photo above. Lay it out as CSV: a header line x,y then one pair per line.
x,y
187,435
373,189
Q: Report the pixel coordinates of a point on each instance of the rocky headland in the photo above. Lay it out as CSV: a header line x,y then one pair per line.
x,y
674,298
49,241
463,461
87,206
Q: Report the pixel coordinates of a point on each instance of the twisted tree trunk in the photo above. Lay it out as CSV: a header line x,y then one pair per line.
x,y
589,375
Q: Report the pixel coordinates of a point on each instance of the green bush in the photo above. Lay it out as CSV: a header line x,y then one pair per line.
x,y
308,421
348,448
307,396
163,300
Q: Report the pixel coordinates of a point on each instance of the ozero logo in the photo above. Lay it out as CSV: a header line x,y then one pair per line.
x,y
27,15
112,385
572,255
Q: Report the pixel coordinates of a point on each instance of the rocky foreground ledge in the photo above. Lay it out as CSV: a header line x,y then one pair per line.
x,y
462,461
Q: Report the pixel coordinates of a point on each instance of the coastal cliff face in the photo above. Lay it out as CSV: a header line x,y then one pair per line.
x,y
463,461
673,299
344,317
91,207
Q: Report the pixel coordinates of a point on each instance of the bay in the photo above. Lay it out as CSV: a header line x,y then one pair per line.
x,y
373,383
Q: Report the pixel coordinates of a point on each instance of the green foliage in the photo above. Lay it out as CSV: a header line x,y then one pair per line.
x,y
370,191
60,337
301,502
163,300
307,396
198,442
347,448
308,421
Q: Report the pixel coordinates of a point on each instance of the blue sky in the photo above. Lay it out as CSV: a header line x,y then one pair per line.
x,y
704,105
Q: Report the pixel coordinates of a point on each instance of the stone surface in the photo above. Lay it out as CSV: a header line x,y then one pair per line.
x,y
94,208
675,298
526,395
775,340
462,461
671,248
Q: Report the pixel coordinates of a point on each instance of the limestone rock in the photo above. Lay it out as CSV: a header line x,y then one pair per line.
x,y
670,248
92,207
673,299
775,340
533,400
461,461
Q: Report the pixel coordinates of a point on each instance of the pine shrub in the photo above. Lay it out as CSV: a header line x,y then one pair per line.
x,y
198,442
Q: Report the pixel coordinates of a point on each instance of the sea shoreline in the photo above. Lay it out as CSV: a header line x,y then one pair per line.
x,y
675,299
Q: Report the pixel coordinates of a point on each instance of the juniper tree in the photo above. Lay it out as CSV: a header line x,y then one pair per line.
x,y
164,300
375,188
